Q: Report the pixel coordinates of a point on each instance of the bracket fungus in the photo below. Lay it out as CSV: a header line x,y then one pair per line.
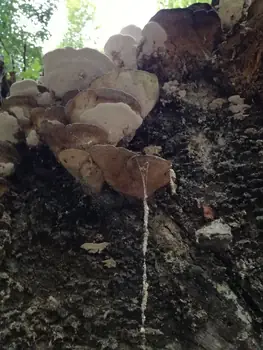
x,y
122,49
123,170
53,59
133,31
84,107
29,87
142,85
90,98
117,119
69,69
154,38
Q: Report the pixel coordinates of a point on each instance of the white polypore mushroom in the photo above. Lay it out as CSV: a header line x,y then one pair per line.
x,y
133,31
8,127
53,59
6,169
117,119
142,85
32,138
44,99
27,87
122,50
91,98
154,37
74,74
230,12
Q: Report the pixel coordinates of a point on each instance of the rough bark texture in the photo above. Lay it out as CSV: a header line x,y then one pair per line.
x,y
203,294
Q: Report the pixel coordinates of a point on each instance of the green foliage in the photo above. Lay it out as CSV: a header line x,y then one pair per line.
x,y
23,28
80,16
178,3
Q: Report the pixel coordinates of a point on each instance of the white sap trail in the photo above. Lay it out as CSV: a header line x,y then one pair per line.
x,y
145,284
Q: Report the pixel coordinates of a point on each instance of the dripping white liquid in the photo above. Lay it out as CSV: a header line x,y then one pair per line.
x,y
145,285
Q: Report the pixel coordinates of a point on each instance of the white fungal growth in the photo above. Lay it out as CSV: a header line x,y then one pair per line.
x,y
122,50
133,31
154,37
27,87
32,139
7,169
145,284
173,182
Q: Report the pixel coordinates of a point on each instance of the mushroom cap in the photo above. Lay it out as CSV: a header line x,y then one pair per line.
x,y
91,175
21,107
155,32
118,43
90,98
32,138
122,50
154,37
78,136
94,55
53,59
12,101
80,165
155,169
37,116
142,85
55,113
121,170
117,119
133,31
44,99
73,159
9,127
75,74
27,87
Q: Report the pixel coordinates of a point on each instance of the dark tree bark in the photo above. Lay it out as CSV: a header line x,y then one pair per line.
x,y
205,286
4,84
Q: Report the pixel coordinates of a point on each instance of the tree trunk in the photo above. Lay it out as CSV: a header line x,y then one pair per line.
x,y
205,250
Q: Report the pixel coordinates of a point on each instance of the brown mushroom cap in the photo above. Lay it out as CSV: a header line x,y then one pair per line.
x,y
91,175
121,169
37,116
11,101
73,159
90,98
20,107
53,113
78,136
142,85
155,170
80,165
56,113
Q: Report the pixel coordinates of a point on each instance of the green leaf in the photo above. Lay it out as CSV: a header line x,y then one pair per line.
x,y
23,28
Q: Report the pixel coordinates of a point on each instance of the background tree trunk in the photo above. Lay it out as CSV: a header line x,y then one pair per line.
x,y
205,287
